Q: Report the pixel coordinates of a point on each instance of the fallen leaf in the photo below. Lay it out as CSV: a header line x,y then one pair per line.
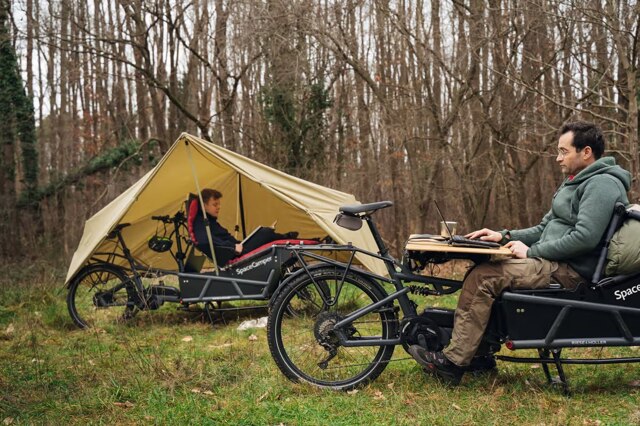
x,y
378,395
91,362
457,407
635,383
263,396
10,329
187,339
126,404
409,401
534,366
8,421
253,338
591,422
390,385
196,390
353,391
207,392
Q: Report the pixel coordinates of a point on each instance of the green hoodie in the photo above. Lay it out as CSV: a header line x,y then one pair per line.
x,y
581,209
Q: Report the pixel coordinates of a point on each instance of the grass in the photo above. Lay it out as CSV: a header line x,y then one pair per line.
x,y
171,367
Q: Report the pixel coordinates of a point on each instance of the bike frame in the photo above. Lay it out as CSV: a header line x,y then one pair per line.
x,y
398,275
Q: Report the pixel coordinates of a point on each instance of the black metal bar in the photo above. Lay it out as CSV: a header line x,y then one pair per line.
x,y
574,343
336,263
615,280
242,222
556,325
567,360
331,247
370,342
180,256
306,269
618,215
558,363
222,298
623,326
366,309
425,279
544,356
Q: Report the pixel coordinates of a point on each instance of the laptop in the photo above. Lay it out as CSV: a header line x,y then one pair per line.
x,y
257,238
459,240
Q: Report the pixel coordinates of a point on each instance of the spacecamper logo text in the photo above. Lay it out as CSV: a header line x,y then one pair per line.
x,y
623,294
253,265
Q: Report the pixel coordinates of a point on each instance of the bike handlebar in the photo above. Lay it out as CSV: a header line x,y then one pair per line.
x,y
178,217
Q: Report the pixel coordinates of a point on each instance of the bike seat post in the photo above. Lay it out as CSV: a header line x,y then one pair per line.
x,y
180,255
125,249
377,237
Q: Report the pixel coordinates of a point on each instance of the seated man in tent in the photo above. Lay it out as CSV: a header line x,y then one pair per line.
x,y
225,245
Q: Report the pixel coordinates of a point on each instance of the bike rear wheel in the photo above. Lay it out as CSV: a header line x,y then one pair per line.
x,y
304,346
101,295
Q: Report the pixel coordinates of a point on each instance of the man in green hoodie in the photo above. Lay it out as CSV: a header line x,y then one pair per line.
x,y
563,248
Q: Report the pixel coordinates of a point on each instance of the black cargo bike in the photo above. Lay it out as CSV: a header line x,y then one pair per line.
x,y
103,293
333,325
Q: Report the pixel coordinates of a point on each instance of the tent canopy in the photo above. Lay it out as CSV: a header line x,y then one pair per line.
x,y
265,195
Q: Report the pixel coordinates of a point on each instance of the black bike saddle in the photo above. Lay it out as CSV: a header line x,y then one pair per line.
x,y
354,209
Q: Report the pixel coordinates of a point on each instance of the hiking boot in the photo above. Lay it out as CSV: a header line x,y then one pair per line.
x,y
482,364
438,364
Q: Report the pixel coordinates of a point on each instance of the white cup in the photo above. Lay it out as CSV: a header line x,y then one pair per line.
x,y
453,227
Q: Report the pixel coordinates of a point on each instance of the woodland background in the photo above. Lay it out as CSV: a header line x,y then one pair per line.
x,y
454,100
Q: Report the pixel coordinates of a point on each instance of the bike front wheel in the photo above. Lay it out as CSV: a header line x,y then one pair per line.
x,y
300,330
100,295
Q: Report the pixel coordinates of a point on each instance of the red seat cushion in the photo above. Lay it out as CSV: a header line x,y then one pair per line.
x,y
268,245
194,208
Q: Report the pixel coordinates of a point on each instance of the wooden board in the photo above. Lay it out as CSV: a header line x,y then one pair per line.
x,y
430,245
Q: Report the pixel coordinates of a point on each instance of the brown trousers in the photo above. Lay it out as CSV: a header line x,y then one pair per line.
x,y
484,283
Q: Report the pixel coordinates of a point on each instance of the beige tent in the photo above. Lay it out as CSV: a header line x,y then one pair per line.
x,y
265,194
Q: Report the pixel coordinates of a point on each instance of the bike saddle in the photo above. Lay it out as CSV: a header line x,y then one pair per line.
x,y
355,209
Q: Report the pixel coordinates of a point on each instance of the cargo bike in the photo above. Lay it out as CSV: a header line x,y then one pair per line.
x,y
335,326
135,253
103,292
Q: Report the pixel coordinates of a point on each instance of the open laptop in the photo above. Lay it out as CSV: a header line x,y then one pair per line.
x,y
259,237
459,240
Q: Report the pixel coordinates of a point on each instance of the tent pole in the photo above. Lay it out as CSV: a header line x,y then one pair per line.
x,y
237,228
241,207
204,213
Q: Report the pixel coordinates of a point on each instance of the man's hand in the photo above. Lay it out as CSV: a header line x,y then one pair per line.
x,y
485,235
518,248
239,248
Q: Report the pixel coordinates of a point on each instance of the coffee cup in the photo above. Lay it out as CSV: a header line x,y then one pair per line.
x,y
453,227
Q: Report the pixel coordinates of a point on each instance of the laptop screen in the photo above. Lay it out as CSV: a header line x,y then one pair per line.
x,y
446,225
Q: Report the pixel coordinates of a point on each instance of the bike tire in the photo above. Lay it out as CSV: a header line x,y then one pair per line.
x,y
101,284
296,341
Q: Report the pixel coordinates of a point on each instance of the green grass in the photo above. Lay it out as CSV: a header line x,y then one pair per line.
x,y
146,372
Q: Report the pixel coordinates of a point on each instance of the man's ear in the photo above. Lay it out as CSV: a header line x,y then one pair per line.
x,y
587,152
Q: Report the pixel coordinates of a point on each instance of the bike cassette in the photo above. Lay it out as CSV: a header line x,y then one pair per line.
x,y
423,331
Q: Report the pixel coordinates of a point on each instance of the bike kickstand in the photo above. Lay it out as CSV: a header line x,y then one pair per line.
x,y
544,355
562,378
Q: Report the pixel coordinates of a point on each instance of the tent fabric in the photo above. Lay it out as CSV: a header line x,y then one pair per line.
x,y
268,195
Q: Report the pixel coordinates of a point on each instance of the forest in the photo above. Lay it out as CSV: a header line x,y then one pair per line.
x,y
458,101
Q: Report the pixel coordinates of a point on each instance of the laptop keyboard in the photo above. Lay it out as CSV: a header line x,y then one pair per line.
x,y
460,240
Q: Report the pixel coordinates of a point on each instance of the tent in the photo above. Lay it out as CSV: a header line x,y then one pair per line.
x,y
253,195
